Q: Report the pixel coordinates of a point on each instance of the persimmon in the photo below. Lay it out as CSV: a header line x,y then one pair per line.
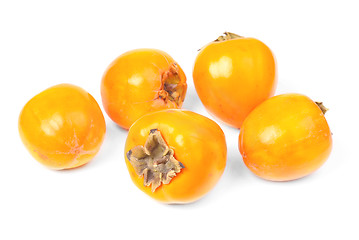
x,y
175,156
233,75
141,81
62,127
285,138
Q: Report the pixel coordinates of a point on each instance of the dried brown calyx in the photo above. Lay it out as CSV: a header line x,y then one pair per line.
x,y
172,87
322,107
154,161
227,36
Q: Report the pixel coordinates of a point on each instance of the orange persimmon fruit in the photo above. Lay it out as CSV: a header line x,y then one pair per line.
x,y
175,156
62,127
285,138
141,81
233,75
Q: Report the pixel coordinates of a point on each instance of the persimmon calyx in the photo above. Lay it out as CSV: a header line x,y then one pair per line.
x,y
154,161
227,36
322,107
172,88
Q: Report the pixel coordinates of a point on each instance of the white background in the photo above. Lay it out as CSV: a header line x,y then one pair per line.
x,y
43,43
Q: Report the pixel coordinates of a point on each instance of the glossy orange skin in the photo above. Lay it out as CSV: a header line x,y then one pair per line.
x,y
233,77
198,143
62,127
285,138
131,84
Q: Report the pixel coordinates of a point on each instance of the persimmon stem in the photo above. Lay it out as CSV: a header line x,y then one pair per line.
x,y
227,36
322,107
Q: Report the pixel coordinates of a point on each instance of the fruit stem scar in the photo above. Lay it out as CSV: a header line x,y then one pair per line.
x,y
172,88
154,161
